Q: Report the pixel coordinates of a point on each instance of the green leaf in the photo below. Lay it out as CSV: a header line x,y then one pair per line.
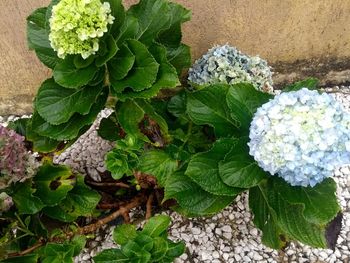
x,y
52,183
203,169
177,105
144,241
264,219
117,11
72,128
128,30
38,37
117,164
112,255
243,100
207,106
191,198
130,119
166,77
57,253
67,75
135,252
122,234
121,64
179,57
25,201
172,36
310,83
160,249
158,164
111,51
81,201
319,202
78,242
19,126
79,62
57,104
175,249
156,225
41,144
153,16
109,129
239,169
144,71
31,258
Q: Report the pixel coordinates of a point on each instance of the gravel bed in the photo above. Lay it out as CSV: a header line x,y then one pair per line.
x,y
229,236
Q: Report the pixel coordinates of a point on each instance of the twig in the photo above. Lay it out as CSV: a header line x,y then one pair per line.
x,y
137,201
120,184
149,206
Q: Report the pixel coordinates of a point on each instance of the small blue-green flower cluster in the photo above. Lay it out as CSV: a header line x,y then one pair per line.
x,y
301,136
227,65
77,25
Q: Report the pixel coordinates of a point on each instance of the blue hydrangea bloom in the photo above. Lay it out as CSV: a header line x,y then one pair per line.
x,y
301,136
227,65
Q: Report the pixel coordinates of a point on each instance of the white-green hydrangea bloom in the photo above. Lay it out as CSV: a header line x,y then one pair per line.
x,y
227,65
77,25
301,136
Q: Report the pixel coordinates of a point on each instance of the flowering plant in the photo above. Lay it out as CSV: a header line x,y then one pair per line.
x,y
198,149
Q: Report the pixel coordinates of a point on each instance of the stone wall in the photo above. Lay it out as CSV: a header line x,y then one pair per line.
x,y
298,37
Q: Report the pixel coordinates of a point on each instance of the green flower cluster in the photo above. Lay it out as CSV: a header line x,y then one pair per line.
x,y
77,25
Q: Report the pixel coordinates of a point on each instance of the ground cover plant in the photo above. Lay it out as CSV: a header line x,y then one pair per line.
x,y
192,147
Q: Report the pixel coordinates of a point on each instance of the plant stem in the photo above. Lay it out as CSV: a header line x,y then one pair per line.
x,y
120,184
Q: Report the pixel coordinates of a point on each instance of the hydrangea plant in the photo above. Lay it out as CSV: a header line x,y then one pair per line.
x,y
16,163
301,136
227,65
77,25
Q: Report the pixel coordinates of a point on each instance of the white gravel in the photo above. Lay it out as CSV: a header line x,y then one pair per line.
x,y
229,236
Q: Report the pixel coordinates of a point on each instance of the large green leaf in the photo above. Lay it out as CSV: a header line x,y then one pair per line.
x,y
109,129
265,219
112,255
319,202
177,104
123,233
57,104
53,182
207,106
38,37
128,30
153,16
172,36
80,201
243,100
166,77
135,252
158,164
144,71
121,64
156,225
72,128
203,169
67,75
25,201
310,83
238,168
191,198
179,57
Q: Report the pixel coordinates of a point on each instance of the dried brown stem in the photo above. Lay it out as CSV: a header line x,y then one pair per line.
x,y
149,206
119,184
122,211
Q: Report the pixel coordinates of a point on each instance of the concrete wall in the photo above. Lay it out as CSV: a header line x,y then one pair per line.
x,y
298,37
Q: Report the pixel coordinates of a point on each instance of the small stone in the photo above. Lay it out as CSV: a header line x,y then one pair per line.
x,y
195,231
227,229
216,254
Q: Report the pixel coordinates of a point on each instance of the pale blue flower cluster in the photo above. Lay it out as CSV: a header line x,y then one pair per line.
x,y
227,65
301,136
